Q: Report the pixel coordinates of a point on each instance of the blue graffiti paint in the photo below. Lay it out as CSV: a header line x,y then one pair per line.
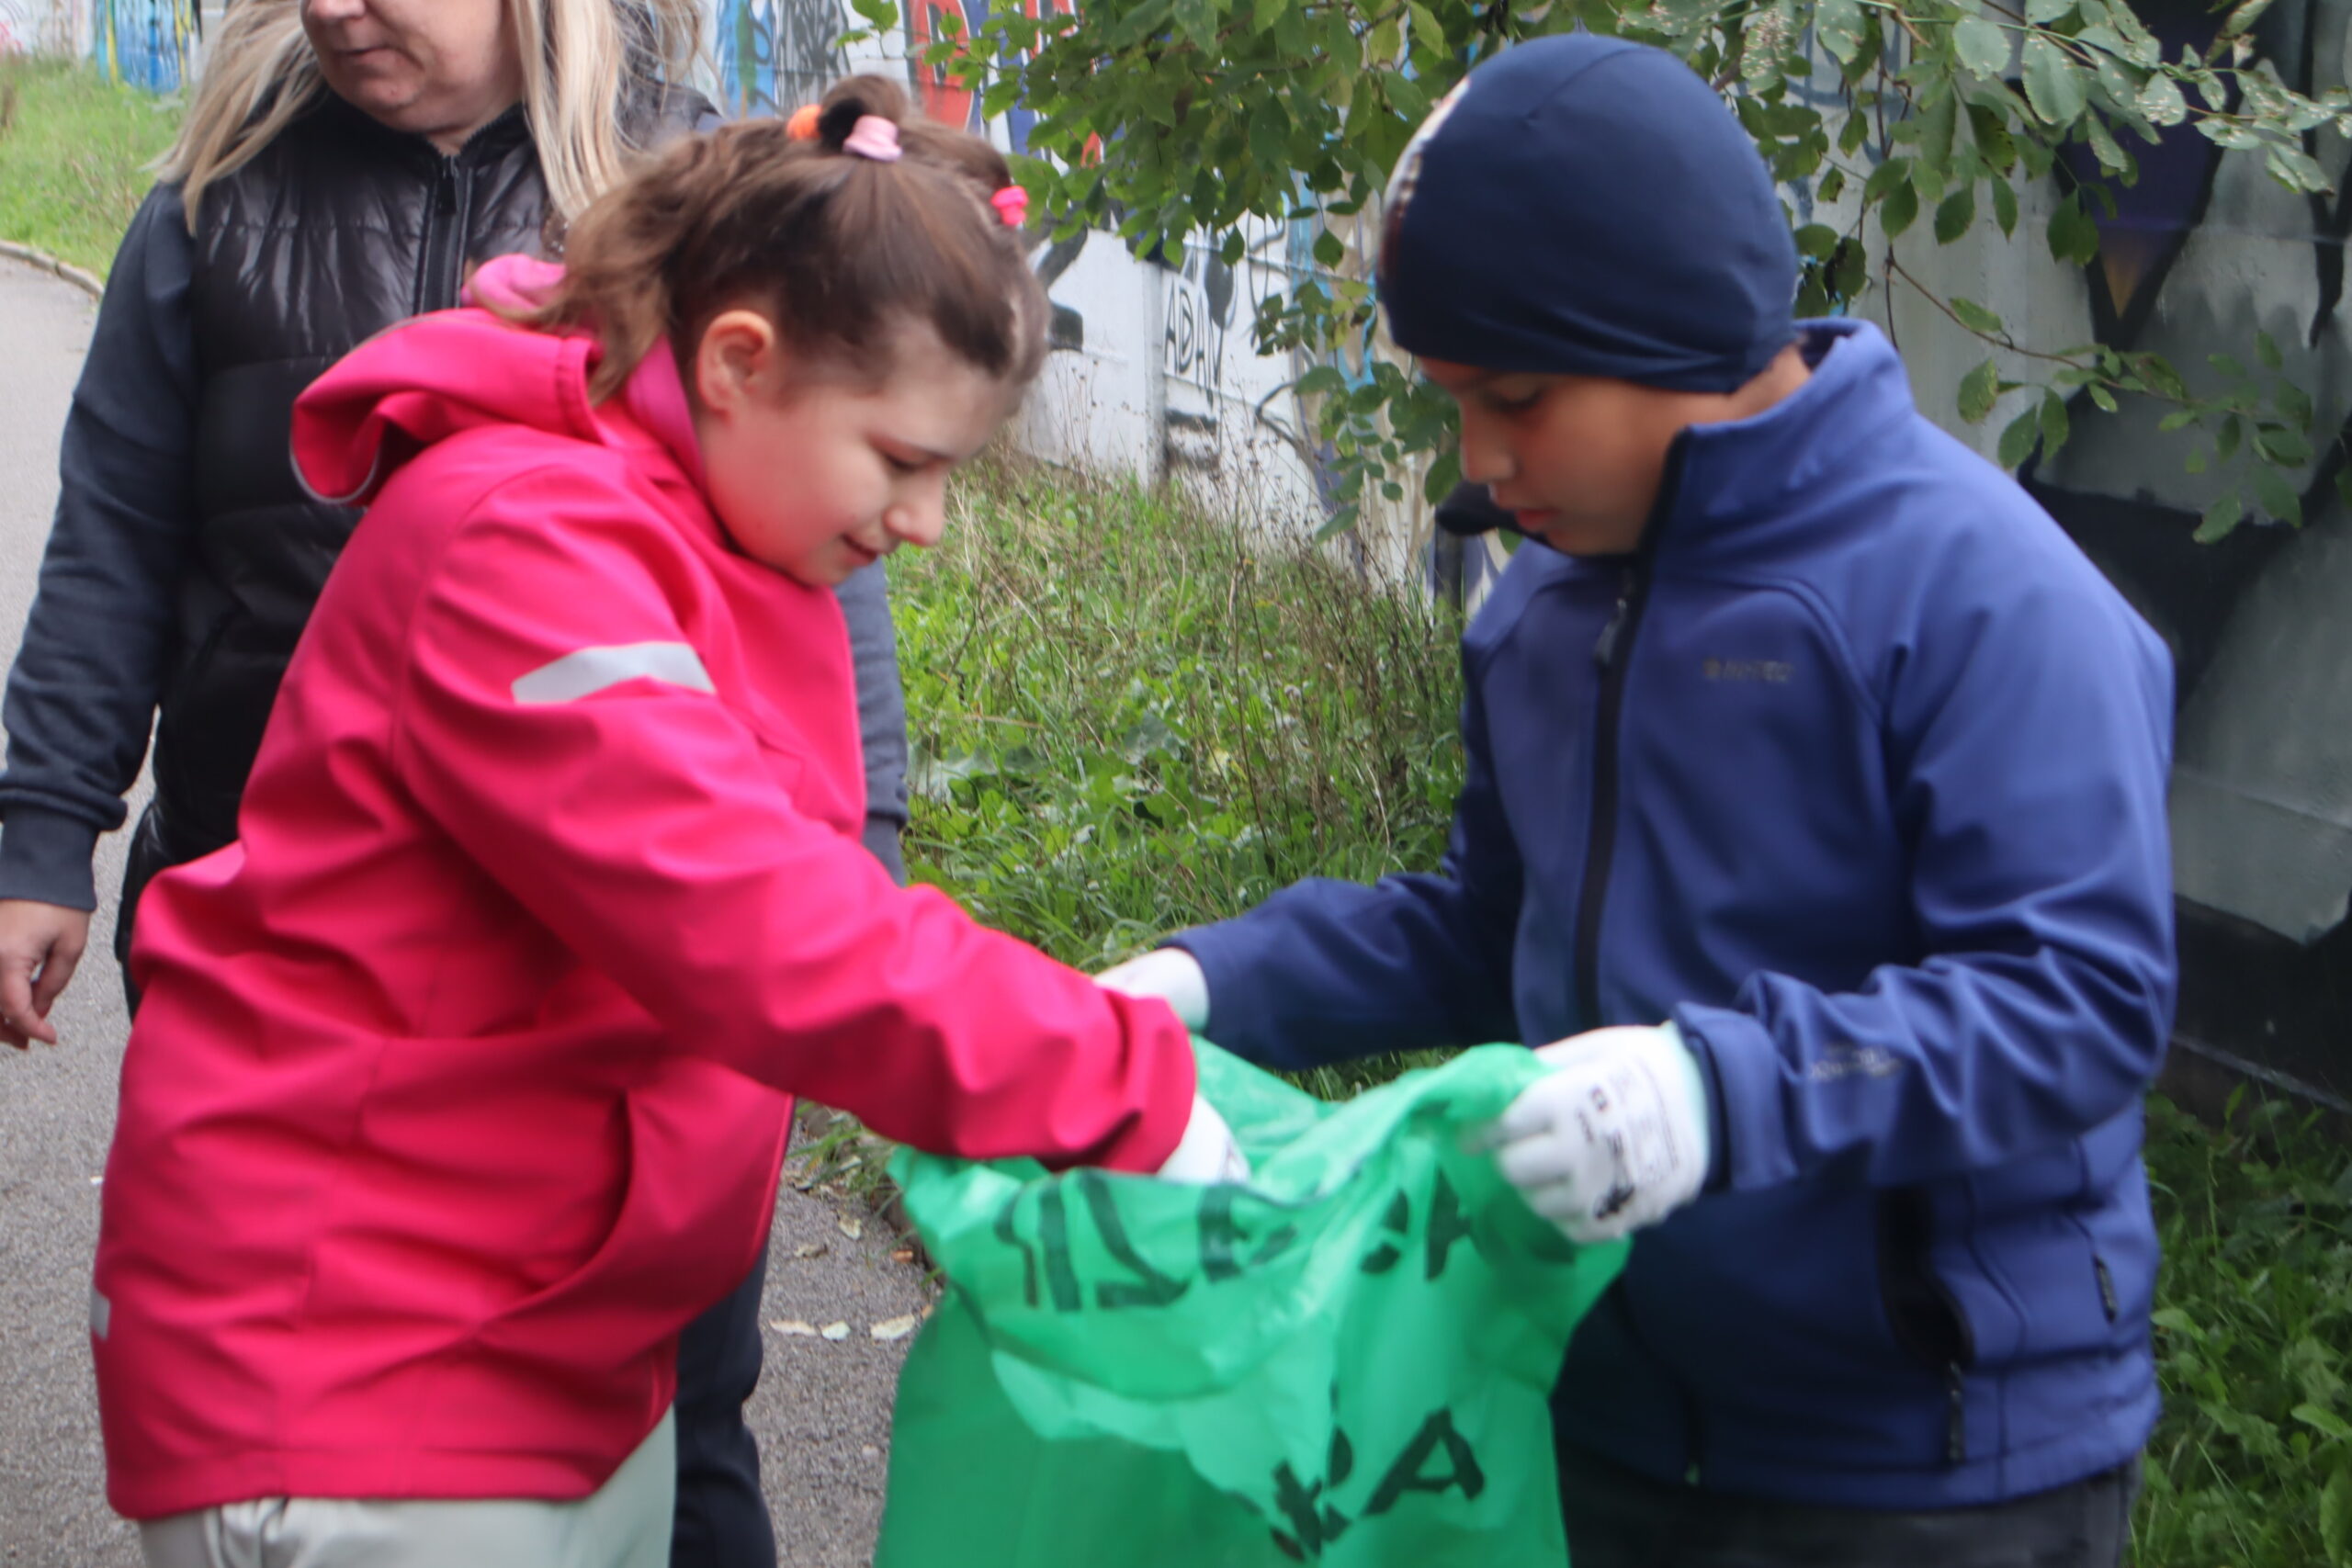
x,y
144,42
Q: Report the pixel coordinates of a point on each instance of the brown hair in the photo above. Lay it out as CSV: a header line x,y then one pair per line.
x,y
838,250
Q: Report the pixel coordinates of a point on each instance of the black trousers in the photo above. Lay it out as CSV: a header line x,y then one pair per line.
x,y
722,1515
1619,1520
722,1518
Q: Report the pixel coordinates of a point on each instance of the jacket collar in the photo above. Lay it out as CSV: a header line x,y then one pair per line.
x,y
1721,476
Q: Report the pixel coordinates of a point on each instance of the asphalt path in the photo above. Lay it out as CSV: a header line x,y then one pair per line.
x,y
822,1412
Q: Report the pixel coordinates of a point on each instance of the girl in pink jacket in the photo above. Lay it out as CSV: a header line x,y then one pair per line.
x,y
455,1088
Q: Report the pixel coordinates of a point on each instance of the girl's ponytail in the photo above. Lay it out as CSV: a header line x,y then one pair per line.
x,y
840,250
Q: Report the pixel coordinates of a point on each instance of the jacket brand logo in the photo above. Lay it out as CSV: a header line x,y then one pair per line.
x,y
1773,671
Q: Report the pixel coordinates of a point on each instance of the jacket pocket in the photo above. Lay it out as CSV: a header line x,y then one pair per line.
x,y
1924,1314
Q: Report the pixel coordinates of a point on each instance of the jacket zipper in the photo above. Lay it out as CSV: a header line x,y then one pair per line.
x,y
1613,654
440,276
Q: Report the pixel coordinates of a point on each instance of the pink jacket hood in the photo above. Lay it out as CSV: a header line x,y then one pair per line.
x,y
441,375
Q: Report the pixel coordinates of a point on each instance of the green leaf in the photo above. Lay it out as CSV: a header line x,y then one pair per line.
x,y
2042,13
1444,474
2219,518
2179,419
1817,241
2322,1420
1329,250
1978,392
1902,205
1976,318
1853,134
2103,146
2004,207
1894,172
2247,12
2267,348
2277,496
1955,214
2336,1518
1838,25
1936,126
1832,186
1386,42
2073,236
2284,447
2294,168
2195,461
1429,29
1983,46
2053,84
2017,440
2102,397
2055,426
2225,445
2161,101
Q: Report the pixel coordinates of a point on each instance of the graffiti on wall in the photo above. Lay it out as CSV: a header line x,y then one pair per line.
x,y
774,54
147,43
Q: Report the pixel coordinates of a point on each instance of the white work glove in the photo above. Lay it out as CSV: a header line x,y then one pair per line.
x,y
1614,1137
1171,975
1206,1155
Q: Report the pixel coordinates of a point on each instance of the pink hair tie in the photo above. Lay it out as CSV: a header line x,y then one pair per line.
x,y
1011,203
872,137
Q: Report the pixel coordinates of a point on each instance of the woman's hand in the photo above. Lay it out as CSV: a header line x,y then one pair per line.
x,y
39,946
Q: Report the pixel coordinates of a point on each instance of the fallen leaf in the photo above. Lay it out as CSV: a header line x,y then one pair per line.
x,y
925,1314
850,1228
810,1249
896,1328
794,1325
904,1255
835,1331
868,1451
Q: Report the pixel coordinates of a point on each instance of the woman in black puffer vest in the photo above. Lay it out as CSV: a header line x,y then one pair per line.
x,y
341,166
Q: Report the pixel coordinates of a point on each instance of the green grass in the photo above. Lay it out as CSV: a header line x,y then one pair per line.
x,y
2252,1466
73,155
1124,721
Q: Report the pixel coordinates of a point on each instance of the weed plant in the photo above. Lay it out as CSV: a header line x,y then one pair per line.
x,y
2251,1466
1125,720
74,154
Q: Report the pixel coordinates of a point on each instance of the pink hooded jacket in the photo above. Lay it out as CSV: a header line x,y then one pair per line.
x,y
453,1095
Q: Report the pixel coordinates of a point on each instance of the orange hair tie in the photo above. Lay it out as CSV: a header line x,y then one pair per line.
x,y
802,126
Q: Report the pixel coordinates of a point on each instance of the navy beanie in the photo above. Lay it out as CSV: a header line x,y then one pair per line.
x,y
1585,206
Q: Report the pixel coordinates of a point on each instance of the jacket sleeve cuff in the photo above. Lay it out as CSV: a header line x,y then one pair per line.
x,y
1742,1074
45,856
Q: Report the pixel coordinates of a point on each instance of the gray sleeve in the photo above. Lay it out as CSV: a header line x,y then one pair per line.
x,y
881,712
82,697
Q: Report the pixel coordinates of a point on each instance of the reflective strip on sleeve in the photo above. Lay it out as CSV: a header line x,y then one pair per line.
x,y
590,670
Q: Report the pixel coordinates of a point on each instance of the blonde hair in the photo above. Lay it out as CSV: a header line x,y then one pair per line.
x,y
583,61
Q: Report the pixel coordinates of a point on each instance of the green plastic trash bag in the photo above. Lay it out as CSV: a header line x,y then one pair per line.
x,y
1345,1362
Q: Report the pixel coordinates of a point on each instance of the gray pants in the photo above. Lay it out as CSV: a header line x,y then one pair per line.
x,y
1619,1520
623,1524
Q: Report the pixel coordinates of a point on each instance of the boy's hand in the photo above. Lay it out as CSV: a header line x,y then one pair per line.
x,y
1207,1154
1614,1137
1170,974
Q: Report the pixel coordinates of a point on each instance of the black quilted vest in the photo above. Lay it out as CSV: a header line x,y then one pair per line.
x,y
339,229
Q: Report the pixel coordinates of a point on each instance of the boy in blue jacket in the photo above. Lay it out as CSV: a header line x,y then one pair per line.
x,y
1814,828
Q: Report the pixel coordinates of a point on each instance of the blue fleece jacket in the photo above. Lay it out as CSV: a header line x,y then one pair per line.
x,y
1856,771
